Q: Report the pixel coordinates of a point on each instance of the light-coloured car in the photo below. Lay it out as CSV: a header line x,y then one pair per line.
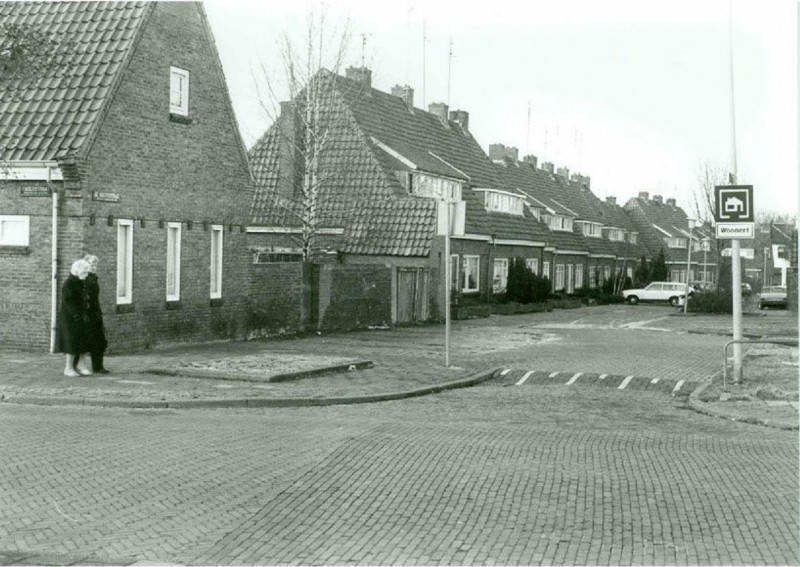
x,y
658,291
772,296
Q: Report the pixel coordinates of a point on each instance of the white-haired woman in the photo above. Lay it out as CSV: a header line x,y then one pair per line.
x,y
73,323
97,333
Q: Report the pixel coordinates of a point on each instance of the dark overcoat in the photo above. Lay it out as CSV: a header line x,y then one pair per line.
x,y
73,319
97,332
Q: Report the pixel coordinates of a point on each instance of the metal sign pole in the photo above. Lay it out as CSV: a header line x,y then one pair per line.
x,y
448,281
736,263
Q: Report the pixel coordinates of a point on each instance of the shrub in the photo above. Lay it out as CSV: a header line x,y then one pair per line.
x,y
523,285
711,302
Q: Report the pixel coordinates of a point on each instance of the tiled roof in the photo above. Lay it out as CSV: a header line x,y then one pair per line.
x,y
402,227
648,214
55,115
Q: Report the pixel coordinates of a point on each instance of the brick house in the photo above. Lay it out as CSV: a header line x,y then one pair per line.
x,y
387,163
130,152
664,226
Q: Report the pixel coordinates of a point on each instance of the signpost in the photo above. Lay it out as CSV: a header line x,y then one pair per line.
x,y
449,213
733,213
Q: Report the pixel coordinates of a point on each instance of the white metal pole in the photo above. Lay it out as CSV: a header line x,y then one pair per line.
x,y
447,277
688,269
53,265
736,260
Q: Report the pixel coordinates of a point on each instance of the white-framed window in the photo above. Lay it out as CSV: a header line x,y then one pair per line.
x,y
578,276
570,283
15,230
606,273
592,276
471,274
435,187
591,229
677,242
179,91
173,261
632,237
629,272
616,235
546,270
454,271
559,222
537,213
216,261
124,261
675,276
533,265
503,203
500,279
559,283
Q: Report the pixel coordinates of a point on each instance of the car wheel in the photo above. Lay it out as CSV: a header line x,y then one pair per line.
x,y
760,305
673,301
633,300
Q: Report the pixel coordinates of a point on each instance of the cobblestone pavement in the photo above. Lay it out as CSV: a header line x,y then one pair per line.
x,y
495,474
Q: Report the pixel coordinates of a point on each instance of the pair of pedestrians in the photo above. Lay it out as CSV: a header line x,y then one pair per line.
x,y
80,332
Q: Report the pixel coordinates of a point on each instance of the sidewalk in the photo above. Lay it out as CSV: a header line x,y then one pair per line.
x,y
277,373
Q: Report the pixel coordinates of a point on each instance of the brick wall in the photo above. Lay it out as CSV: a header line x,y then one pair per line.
x,y
161,169
274,299
354,296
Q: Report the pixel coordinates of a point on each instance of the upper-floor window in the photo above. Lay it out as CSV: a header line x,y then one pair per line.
x,y
632,237
591,229
435,187
179,91
677,242
503,203
537,213
559,222
14,230
616,235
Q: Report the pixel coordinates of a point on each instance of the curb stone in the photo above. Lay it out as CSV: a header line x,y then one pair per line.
x,y
471,380
289,376
701,407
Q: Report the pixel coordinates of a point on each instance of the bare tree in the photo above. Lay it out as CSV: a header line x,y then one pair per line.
x,y
308,126
708,176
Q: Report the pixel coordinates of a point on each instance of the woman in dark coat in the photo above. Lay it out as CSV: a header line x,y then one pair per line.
x,y
97,332
73,320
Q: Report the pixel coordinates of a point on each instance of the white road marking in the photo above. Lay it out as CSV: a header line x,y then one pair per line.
x,y
602,376
553,375
625,382
525,376
135,382
504,372
677,386
654,381
572,380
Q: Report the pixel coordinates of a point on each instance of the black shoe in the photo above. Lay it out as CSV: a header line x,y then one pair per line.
x,y
102,371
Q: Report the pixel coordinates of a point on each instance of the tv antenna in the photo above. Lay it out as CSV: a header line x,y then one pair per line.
x,y
449,67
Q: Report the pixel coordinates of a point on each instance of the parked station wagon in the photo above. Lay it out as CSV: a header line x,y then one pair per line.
x,y
772,296
658,291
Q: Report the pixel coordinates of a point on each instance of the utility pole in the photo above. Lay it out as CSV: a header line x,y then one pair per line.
x,y
736,260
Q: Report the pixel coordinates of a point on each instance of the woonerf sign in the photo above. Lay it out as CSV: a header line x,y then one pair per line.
x,y
733,211
735,230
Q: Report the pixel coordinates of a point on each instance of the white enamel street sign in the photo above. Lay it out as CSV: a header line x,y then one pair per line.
x,y
731,230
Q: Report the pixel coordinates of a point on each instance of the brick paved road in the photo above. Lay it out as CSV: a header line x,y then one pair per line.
x,y
543,472
493,474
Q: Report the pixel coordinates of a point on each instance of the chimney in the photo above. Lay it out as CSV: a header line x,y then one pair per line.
x,y
512,154
547,166
531,159
406,93
360,74
563,172
644,195
587,181
460,117
657,199
439,109
611,200
671,202
501,152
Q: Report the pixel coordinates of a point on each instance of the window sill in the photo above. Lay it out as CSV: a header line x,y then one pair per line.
x,y
179,118
217,302
125,308
12,250
173,304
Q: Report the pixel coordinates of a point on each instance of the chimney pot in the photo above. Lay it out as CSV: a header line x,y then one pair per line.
x,y
360,74
405,93
671,202
644,195
460,117
611,199
547,166
657,199
531,159
563,172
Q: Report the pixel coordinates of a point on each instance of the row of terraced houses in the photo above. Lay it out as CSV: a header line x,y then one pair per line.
x,y
132,153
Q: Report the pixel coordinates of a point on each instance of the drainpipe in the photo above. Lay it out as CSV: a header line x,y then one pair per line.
x,y
53,265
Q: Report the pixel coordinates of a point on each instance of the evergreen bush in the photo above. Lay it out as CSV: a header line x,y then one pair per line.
x,y
711,302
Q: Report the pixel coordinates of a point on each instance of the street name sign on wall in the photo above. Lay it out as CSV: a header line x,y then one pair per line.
x,y
733,211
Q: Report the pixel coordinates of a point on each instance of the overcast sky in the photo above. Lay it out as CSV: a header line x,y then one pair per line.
x,y
633,93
